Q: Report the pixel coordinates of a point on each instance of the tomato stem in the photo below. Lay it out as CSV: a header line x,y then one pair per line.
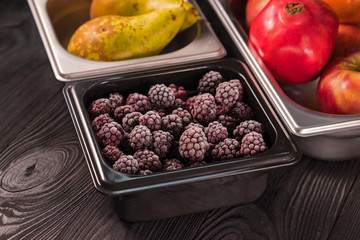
x,y
293,9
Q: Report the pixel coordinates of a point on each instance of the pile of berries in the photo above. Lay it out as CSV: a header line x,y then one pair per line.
x,y
168,129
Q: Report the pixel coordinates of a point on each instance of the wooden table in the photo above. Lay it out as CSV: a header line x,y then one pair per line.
x,y
46,190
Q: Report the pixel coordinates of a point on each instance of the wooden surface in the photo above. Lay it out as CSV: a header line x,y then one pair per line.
x,y
46,190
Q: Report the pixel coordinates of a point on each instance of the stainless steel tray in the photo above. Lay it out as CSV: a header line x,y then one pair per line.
x,y
322,136
58,19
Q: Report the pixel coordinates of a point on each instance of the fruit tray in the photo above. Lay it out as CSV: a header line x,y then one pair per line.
x,y
323,136
191,189
57,20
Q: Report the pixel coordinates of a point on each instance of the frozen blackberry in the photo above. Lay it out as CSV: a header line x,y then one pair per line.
x,y
140,102
179,92
172,123
252,144
242,111
127,164
247,126
185,115
193,145
226,150
240,87
227,94
162,142
161,96
192,124
161,112
100,106
121,111
145,172
179,103
204,108
189,104
148,160
172,164
116,100
151,120
111,134
100,120
197,164
112,153
209,82
215,132
130,120
141,137
228,121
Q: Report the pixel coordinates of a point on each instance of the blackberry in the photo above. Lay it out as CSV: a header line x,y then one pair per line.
x,y
204,108
172,123
179,92
162,142
100,120
112,153
240,87
161,112
209,82
179,103
197,164
100,106
185,115
148,160
193,145
141,137
242,111
228,121
127,164
172,164
252,144
192,124
226,150
247,126
161,96
121,111
140,102
145,172
227,94
130,120
189,104
116,100
151,120
111,134
215,132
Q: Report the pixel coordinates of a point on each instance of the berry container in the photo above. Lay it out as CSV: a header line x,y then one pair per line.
x,y
192,189
322,136
57,20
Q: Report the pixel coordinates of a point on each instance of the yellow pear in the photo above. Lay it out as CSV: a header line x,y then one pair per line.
x,y
137,7
114,37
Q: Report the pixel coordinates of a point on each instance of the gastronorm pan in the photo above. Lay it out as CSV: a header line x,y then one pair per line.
x,y
191,189
322,136
57,20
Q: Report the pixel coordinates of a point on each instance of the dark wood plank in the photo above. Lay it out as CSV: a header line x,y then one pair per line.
x,y
27,81
348,222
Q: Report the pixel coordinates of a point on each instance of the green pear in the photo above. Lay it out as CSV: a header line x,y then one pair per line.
x,y
137,7
114,37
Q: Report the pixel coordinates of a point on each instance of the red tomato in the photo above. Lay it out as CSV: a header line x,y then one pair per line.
x,y
252,9
348,11
295,39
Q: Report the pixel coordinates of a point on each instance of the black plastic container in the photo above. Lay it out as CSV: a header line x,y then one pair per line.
x,y
167,194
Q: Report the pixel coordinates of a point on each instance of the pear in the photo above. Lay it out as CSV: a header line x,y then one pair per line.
x,y
138,7
114,37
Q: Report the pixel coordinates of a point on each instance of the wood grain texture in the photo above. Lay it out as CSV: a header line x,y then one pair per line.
x,y
46,191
